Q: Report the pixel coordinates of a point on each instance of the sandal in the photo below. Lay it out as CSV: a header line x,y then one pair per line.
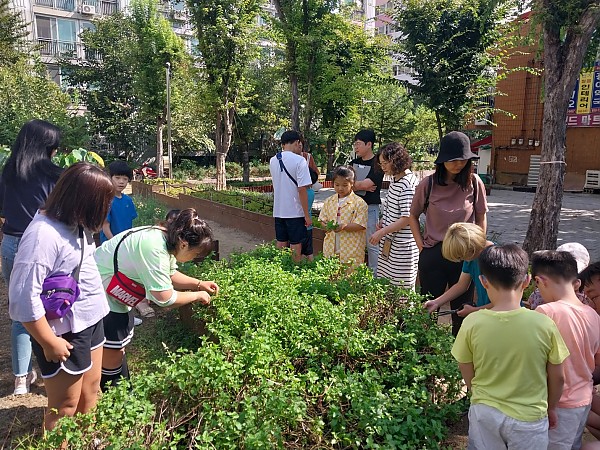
x,y
145,310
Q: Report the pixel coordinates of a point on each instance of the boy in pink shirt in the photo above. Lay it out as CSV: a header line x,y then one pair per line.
x,y
555,273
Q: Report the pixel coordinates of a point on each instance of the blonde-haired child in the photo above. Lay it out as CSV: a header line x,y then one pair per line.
x,y
344,217
463,242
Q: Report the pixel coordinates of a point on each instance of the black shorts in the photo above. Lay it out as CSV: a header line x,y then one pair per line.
x,y
118,328
307,245
290,230
80,360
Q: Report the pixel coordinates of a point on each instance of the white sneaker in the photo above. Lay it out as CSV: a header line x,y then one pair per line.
x,y
137,321
22,384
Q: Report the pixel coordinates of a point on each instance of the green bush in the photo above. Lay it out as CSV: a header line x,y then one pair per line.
x,y
299,356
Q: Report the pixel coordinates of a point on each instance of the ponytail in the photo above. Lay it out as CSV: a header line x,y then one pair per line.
x,y
188,227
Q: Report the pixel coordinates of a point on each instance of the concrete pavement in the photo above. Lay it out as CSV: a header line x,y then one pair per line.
x,y
508,217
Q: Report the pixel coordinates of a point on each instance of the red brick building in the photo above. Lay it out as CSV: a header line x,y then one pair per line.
x,y
516,139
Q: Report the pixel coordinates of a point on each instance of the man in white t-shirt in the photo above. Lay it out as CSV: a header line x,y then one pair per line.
x,y
291,178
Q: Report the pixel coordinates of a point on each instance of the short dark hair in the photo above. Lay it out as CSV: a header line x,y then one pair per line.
x,y
397,155
32,151
82,196
188,227
290,136
504,266
464,177
346,172
556,265
366,136
120,167
588,273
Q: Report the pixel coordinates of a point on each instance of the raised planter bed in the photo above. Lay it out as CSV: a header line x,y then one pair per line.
x,y
258,225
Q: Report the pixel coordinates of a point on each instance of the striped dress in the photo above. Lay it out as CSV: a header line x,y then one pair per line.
x,y
400,267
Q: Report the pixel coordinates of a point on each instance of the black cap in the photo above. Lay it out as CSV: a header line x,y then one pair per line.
x,y
455,146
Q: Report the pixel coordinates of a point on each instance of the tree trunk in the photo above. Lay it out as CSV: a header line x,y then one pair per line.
x,y
223,135
438,121
295,116
331,145
563,58
246,164
160,124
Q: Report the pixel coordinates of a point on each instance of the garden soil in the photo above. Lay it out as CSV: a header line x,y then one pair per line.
x,y
22,415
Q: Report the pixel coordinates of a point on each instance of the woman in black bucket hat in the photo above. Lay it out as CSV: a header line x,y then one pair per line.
x,y
452,194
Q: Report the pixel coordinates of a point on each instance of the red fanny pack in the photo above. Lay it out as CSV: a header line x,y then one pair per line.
x,y
125,290
121,287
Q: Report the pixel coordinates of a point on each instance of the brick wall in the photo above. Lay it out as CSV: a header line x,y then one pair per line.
x,y
522,98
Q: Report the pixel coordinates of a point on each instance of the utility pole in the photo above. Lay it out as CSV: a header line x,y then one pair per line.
x,y
169,147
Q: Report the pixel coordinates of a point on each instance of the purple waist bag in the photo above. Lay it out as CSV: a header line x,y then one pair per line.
x,y
58,295
60,292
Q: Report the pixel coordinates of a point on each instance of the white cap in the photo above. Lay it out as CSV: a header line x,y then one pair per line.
x,y
578,251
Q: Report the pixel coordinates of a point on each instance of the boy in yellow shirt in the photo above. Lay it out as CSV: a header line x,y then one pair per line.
x,y
510,358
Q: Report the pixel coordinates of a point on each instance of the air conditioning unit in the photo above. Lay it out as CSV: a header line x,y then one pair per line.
x,y
88,9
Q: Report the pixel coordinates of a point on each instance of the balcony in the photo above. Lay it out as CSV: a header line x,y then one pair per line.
x,y
61,49
63,5
108,8
57,49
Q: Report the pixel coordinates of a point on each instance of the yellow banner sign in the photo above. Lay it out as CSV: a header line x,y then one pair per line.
x,y
584,99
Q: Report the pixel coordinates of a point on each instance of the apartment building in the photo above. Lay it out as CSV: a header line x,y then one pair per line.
x,y
55,25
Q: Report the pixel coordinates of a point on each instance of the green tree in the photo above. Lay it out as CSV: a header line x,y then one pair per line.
x,y
105,83
157,45
301,25
226,40
453,46
395,115
568,28
352,63
13,31
115,84
26,93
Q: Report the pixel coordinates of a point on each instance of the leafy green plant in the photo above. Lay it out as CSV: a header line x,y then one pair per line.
x,y
77,155
298,356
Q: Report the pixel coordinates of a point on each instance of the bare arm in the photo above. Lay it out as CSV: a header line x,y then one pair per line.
x,y
415,227
351,227
556,380
183,298
56,349
468,372
184,282
364,185
106,229
481,220
393,227
461,286
304,202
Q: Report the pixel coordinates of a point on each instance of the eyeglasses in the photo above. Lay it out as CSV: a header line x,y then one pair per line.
x,y
356,143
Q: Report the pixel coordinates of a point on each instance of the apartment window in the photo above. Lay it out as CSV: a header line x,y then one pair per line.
x,y
57,37
65,5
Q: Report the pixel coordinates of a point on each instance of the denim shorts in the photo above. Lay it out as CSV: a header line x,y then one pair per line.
x,y
290,230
